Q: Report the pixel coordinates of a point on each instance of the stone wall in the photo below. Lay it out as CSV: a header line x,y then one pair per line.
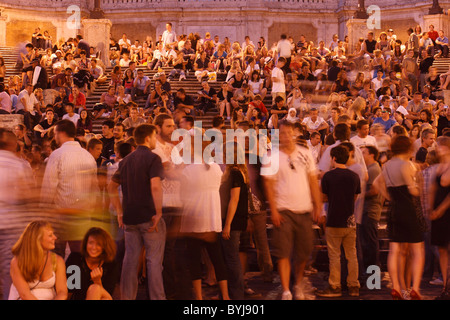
x,y
21,31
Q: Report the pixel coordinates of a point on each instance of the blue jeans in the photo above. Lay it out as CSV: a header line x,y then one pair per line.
x,y
154,242
234,267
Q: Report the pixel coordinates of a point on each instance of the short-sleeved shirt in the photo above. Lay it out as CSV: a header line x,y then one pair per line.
x,y
44,123
313,125
134,175
292,189
235,180
278,86
387,124
340,200
372,204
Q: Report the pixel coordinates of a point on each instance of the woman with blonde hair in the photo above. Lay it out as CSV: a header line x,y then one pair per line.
x,y
356,110
36,272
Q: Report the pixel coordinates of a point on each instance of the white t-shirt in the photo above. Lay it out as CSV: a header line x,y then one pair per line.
x,y
313,125
359,142
254,86
284,48
292,190
376,84
278,86
201,198
30,101
171,188
315,150
73,118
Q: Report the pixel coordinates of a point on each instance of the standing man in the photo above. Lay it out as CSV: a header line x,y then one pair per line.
x,y
284,50
140,175
341,225
294,198
363,138
70,183
278,83
176,282
169,37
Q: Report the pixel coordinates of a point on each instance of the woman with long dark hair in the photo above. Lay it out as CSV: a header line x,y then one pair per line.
x,y
234,192
85,121
99,270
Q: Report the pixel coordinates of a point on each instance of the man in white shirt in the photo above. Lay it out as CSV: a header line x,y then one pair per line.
x,y
314,122
169,37
278,84
71,115
341,133
125,44
294,198
26,105
315,146
284,50
363,138
70,183
247,43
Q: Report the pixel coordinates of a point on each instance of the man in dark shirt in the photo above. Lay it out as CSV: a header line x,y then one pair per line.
x,y
139,175
183,104
83,45
188,55
428,137
341,226
207,97
107,139
444,120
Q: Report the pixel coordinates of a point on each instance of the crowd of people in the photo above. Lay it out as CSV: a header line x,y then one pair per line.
x,y
373,120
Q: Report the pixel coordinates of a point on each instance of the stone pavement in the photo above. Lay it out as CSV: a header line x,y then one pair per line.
x,y
272,291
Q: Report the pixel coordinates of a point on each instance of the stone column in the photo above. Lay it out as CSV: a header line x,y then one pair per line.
x,y
357,28
3,20
96,32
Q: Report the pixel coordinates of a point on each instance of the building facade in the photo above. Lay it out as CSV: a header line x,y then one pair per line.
x,y
316,19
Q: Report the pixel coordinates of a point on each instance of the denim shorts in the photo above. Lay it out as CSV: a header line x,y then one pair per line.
x,y
294,236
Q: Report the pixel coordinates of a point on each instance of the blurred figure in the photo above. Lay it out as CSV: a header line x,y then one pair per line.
x,y
70,183
15,176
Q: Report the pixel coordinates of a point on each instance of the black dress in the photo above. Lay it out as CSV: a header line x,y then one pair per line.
x,y
440,228
404,221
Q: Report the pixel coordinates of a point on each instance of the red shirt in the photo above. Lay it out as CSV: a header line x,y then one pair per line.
x,y
81,100
433,35
259,105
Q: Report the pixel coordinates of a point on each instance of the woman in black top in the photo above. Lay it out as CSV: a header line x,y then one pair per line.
x,y
234,202
99,271
341,84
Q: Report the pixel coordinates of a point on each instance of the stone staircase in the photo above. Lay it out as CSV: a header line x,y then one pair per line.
x,y
192,86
